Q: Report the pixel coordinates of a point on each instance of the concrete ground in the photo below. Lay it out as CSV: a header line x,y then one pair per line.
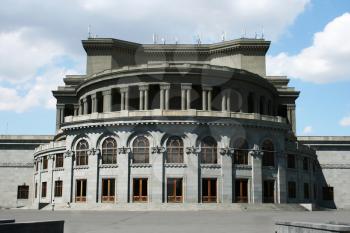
x,y
173,221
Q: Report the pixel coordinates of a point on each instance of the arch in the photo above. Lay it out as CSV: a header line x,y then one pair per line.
x,y
175,150
209,150
81,152
140,150
109,151
240,155
269,153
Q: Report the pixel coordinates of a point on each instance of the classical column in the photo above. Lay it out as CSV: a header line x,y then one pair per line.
x,y
59,115
76,109
209,99
122,100
141,99
183,99
85,103
167,98
281,177
257,183
188,98
93,103
107,100
161,99
228,102
223,102
81,107
146,98
127,98
291,116
204,100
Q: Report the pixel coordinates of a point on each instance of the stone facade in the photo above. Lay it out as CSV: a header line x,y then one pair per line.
x,y
175,123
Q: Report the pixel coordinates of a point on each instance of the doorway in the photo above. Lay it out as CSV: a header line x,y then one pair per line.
x,y
241,191
269,191
140,190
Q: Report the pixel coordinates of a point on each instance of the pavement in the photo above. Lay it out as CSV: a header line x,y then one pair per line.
x,y
217,221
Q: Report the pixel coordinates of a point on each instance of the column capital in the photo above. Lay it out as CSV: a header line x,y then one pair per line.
x,y
164,86
144,87
84,99
124,89
207,88
93,95
107,92
60,106
291,106
186,86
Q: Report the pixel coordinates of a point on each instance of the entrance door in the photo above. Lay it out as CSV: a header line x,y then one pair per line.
x,y
269,191
209,190
241,191
174,190
80,191
140,193
108,190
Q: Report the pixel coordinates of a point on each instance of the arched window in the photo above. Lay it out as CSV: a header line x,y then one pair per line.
x,y
208,150
240,152
175,150
268,154
109,151
141,150
82,153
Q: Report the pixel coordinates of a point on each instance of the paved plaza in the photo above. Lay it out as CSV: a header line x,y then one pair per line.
x,y
173,221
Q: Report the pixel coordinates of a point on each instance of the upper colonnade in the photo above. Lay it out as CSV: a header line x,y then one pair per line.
x,y
224,77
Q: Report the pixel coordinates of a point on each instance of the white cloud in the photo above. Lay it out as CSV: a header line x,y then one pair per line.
x,y
326,60
38,93
345,121
23,52
308,129
31,40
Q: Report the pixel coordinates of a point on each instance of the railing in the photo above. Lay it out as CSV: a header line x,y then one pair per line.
x,y
140,198
240,199
108,199
51,145
209,199
175,199
170,113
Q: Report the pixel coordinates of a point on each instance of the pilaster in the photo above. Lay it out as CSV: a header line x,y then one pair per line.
x,y
257,184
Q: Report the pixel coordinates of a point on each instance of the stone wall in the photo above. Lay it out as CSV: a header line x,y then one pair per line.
x,y
16,167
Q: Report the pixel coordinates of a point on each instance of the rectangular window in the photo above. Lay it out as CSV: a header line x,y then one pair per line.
x,y
306,163
45,162
240,157
269,191
80,190
306,191
59,160
291,161
209,190
43,189
292,189
140,190
328,193
174,190
108,190
23,192
36,190
241,191
58,188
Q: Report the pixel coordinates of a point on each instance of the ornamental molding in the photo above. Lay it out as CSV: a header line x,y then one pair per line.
x,y
58,169
94,151
124,150
243,166
335,166
108,166
192,150
17,165
158,149
81,167
175,165
141,165
69,153
211,166
227,151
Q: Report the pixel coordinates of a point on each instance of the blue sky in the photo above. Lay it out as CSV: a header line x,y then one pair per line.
x,y
48,37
